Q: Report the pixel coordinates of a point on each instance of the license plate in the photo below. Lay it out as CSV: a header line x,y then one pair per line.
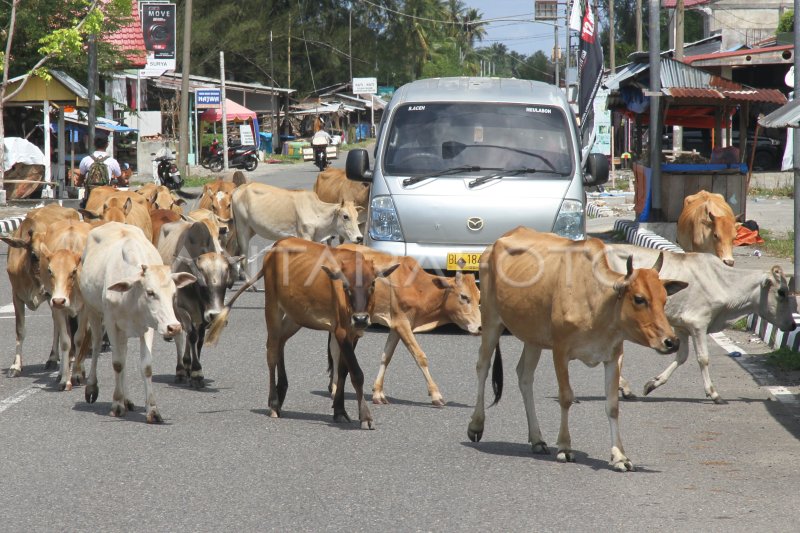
x,y
463,261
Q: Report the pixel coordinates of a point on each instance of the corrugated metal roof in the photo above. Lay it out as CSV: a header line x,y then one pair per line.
x,y
783,117
739,53
770,96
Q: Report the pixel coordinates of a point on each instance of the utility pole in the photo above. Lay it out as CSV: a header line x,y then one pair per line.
x,y
639,44
183,126
91,88
273,126
796,143
289,57
350,43
677,131
611,37
224,110
656,214
555,49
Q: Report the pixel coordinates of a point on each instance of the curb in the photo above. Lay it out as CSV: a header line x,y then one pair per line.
x,y
10,224
598,211
646,238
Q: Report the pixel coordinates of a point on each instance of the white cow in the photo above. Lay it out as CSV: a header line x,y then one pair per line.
x,y
127,289
719,294
275,213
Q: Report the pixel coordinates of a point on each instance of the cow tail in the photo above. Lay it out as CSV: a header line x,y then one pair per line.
x,y
221,320
187,195
497,374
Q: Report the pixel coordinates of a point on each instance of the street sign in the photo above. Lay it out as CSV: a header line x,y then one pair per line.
x,y
365,85
207,98
158,31
246,135
545,10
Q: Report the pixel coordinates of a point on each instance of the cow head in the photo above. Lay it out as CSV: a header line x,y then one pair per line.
x,y
212,271
221,207
28,243
723,230
155,287
115,209
642,297
347,222
59,274
358,276
164,199
462,301
778,302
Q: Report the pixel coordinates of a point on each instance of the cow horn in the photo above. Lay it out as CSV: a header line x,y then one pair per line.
x,y
629,267
659,262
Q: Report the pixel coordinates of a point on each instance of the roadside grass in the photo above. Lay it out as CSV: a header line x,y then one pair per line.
x,y
739,325
776,245
197,180
784,359
786,191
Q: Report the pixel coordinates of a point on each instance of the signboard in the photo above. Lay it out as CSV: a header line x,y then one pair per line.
x,y
365,85
545,10
602,124
158,30
246,135
207,98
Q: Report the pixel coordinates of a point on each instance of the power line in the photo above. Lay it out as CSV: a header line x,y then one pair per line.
x,y
459,22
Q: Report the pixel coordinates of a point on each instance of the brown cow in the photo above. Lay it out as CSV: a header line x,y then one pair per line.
x,y
23,270
216,197
707,225
159,217
553,293
118,208
310,285
414,301
160,197
60,256
332,186
99,195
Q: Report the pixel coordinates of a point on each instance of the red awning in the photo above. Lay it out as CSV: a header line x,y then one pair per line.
x,y
235,113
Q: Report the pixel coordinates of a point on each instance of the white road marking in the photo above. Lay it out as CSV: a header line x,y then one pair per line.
x,y
7,308
726,343
18,396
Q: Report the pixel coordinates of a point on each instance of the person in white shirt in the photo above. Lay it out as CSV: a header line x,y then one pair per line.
x,y
114,170
321,138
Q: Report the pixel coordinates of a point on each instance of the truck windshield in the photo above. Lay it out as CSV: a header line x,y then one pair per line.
x,y
428,138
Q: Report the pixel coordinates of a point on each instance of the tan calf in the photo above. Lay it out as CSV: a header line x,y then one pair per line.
x,y
707,224
553,293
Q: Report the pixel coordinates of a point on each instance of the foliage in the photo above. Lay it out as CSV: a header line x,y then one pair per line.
x,y
776,245
784,359
786,22
739,325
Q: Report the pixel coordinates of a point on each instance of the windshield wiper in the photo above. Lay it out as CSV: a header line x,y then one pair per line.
x,y
453,170
499,175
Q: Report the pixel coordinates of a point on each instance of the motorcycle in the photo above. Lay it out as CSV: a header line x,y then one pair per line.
x,y
238,157
214,150
320,154
167,172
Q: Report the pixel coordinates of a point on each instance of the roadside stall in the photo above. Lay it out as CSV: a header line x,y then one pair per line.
x,y
691,98
237,115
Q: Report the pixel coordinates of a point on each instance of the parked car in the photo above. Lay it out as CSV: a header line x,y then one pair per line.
x,y
769,151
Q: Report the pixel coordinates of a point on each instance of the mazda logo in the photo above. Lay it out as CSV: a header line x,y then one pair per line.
x,y
475,223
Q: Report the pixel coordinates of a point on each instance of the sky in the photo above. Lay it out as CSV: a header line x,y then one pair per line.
x,y
522,37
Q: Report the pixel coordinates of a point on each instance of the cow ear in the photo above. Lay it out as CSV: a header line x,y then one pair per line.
x,y
235,259
127,207
179,201
711,217
124,285
91,215
442,283
387,271
44,251
673,286
182,279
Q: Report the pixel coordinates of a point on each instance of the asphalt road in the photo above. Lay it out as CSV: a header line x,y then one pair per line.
x,y
220,463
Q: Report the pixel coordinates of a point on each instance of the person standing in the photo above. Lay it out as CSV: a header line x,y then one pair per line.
x,y
98,168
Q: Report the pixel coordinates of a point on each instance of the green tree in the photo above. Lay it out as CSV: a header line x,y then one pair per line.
x,y
786,22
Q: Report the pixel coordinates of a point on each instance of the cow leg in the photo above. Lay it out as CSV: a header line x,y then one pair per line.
x,y
357,379
96,328
624,386
378,395
198,379
618,459
77,374
119,353
410,341
196,372
279,331
64,345
526,369
334,360
680,358
490,336
700,339
146,367
19,321
565,398
340,372
181,346
52,360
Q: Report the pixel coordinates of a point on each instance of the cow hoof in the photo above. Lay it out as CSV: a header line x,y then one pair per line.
x,y
628,395
129,405
367,424
650,386
154,417
198,382
565,456
63,385
274,413
91,392
439,403
540,448
180,378
50,364
623,466
67,386
474,436
14,372
118,410
717,399
380,399
341,418
78,379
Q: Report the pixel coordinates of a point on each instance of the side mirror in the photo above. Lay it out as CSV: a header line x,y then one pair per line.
x,y
596,171
357,165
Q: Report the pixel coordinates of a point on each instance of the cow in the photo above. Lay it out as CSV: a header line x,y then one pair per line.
x,y
60,260
119,208
192,249
554,293
23,267
274,213
99,195
216,197
159,217
310,285
128,290
160,197
332,186
707,224
413,301
720,294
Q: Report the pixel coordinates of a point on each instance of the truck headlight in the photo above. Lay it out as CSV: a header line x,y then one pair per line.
x,y
384,224
570,220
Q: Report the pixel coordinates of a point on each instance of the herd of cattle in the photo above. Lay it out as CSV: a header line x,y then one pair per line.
x,y
133,264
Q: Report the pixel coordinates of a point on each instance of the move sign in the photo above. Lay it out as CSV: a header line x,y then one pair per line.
x,y
207,98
